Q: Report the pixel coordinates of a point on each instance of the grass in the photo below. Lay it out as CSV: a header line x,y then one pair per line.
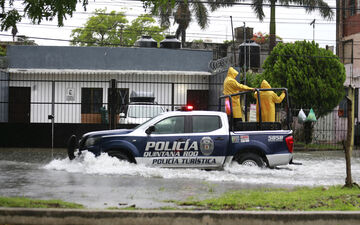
x,y
299,199
318,146
335,198
21,202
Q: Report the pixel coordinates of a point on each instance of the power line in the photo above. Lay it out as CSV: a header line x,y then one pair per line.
x,y
240,18
67,40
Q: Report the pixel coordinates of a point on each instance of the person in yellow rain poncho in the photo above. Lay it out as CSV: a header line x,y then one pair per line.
x,y
231,86
267,100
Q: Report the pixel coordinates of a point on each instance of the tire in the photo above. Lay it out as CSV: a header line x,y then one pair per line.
x,y
250,159
120,155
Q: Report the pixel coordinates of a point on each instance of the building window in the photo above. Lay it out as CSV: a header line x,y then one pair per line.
x,y
348,47
91,100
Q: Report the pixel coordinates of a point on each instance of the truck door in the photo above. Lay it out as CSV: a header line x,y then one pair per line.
x,y
212,139
166,145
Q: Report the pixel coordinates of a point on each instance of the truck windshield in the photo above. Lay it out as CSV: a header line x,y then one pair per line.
x,y
144,111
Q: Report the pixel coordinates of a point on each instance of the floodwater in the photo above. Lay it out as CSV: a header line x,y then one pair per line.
x,y
106,182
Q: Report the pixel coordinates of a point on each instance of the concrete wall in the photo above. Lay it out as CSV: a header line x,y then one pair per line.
x,y
105,58
151,217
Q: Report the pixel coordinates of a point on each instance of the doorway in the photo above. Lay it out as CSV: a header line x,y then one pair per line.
x,y
19,104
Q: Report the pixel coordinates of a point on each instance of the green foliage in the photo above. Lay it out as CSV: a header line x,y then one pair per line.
x,y
101,29
198,41
227,42
35,203
181,11
2,50
37,11
143,25
10,19
112,29
253,79
314,76
304,199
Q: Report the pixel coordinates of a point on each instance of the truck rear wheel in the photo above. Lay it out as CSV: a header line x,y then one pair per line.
x,y
250,159
120,155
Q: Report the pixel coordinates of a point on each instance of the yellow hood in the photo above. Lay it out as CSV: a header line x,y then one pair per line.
x,y
265,84
232,73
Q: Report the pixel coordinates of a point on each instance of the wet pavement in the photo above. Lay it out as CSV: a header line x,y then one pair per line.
x,y
106,182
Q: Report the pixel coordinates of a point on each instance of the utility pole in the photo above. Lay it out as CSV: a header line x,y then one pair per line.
x,y
313,23
233,44
245,49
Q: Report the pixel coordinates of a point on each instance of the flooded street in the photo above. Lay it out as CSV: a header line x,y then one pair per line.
x,y
106,182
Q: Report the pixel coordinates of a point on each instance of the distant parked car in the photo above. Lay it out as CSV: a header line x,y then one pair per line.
x,y
141,108
139,112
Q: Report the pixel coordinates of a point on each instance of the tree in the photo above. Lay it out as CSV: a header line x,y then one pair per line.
x,y
144,24
257,6
182,12
100,30
165,6
112,29
314,76
37,11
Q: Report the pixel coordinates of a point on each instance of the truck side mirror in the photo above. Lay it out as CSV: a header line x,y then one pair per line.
x,y
122,115
150,130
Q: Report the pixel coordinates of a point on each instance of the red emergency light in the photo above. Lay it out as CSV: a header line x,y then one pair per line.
x,y
187,108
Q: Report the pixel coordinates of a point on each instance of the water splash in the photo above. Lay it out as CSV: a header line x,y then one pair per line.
x,y
313,172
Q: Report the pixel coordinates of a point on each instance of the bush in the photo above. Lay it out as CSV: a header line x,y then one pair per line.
x,y
314,76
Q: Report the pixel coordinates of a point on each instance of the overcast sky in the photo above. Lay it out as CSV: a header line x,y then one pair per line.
x,y
292,24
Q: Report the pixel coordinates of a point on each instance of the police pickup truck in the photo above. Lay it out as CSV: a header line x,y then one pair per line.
x,y
193,139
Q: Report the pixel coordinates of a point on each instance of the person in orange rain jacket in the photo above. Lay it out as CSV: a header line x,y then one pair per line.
x,y
268,100
231,86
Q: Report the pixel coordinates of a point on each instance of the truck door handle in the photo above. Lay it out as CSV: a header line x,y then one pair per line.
x,y
219,139
181,139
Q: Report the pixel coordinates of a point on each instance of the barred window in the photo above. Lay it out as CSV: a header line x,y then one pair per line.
x,y
91,100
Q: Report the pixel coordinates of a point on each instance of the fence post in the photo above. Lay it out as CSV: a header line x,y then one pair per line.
x,y
172,96
112,104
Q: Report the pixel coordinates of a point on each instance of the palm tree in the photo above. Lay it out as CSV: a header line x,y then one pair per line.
x,y
182,12
309,5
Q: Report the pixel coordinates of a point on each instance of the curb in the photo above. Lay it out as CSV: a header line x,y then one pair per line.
x,y
173,217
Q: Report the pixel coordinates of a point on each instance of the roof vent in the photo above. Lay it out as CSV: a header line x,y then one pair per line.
x,y
170,42
146,41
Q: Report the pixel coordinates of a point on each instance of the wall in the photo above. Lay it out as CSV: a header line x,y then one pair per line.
x,y
353,69
70,111
4,96
105,58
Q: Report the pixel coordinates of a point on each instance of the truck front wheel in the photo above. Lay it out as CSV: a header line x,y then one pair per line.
x,y
250,159
120,155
